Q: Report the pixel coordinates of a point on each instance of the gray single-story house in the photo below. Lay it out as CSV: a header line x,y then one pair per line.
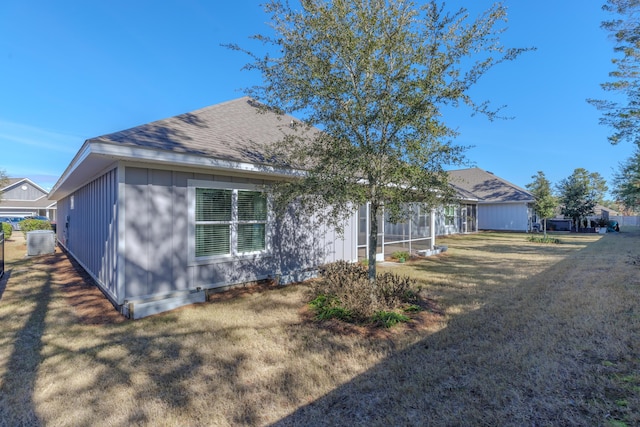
x,y
161,214
22,197
501,205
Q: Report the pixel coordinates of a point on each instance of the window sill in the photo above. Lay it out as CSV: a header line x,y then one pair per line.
x,y
230,258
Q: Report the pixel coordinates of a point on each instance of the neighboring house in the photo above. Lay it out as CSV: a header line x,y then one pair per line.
x,y
163,213
22,197
501,204
600,211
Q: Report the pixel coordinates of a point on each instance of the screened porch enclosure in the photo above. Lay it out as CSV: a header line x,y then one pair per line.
x,y
414,234
468,218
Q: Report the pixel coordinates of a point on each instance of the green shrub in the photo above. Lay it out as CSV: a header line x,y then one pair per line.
x,y
328,307
413,308
542,239
7,229
400,255
33,224
389,318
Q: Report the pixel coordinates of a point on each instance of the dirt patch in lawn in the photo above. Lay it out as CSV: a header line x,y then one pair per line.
x,y
90,305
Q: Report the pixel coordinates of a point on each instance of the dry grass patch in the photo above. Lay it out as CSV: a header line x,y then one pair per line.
x,y
527,334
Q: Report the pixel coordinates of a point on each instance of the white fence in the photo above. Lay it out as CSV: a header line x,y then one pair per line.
x,y
633,221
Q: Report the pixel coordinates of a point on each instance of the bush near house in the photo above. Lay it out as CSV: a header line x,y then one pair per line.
x,y
344,292
34,224
543,239
401,256
7,229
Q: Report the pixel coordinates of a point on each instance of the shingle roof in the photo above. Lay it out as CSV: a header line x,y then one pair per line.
x,y
41,203
13,182
487,187
233,130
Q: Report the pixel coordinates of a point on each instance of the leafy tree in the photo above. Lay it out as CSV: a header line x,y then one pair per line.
x,y
546,203
579,194
623,115
599,186
627,183
375,76
4,181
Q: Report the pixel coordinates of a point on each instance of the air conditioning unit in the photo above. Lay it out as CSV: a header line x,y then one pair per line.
x,y
40,242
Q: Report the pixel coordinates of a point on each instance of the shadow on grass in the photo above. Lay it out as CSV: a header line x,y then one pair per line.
x,y
504,363
18,382
533,357
3,282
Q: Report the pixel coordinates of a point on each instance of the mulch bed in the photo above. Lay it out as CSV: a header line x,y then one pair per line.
x,y
90,305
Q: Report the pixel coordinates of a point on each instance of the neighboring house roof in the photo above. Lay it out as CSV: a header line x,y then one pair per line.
x,y
14,182
38,198
42,203
229,135
599,210
463,194
487,187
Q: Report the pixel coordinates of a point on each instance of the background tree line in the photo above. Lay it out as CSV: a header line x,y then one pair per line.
x,y
622,114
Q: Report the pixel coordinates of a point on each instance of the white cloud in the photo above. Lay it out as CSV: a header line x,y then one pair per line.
x,y
17,133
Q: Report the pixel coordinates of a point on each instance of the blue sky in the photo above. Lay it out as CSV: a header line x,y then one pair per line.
x,y
72,70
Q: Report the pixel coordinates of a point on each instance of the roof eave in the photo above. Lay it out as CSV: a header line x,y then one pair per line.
x,y
96,155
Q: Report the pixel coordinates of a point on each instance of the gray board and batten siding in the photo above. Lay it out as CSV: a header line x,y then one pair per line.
x,y
136,239
88,229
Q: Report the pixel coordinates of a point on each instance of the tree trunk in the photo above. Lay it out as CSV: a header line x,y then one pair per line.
x,y
373,240
373,245
544,226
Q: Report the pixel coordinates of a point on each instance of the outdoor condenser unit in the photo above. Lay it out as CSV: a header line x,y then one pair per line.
x,y
40,242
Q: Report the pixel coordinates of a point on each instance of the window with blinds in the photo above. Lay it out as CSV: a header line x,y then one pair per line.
x,y
213,221
252,221
229,221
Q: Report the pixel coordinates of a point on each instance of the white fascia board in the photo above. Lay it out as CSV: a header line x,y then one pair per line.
x,y
15,184
510,202
98,149
21,181
35,185
82,154
146,154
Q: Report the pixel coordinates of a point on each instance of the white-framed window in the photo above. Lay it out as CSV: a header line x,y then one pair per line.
x,y
227,220
449,215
